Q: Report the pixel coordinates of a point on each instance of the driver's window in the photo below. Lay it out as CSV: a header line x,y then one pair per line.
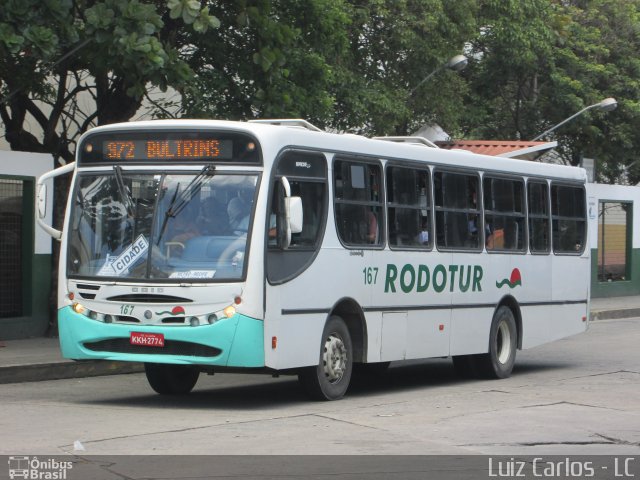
x,y
311,190
306,173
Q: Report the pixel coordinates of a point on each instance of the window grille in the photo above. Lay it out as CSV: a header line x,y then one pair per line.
x,y
11,241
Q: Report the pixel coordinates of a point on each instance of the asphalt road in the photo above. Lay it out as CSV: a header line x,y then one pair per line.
x,y
577,396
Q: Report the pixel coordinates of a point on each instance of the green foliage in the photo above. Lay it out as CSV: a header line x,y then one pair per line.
x,y
191,13
29,41
537,62
350,65
393,45
346,65
269,59
54,51
603,60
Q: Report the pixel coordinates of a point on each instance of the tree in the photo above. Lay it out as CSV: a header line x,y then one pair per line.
x,y
347,65
393,45
601,58
71,65
510,55
269,60
537,62
66,66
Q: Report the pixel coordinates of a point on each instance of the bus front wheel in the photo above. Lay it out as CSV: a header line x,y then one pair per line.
x,y
171,379
330,379
499,361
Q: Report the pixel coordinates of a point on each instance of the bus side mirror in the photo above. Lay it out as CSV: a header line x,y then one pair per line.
x,y
42,201
292,221
293,206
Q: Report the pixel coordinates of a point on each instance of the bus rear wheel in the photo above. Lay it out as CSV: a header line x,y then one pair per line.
x,y
330,379
499,361
171,379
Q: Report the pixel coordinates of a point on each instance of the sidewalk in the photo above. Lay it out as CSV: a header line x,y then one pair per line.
x,y
39,359
615,307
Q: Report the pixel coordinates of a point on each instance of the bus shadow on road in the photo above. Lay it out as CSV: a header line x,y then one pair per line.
x,y
258,392
432,373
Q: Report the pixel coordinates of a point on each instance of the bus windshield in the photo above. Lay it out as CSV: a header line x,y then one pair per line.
x,y
150,226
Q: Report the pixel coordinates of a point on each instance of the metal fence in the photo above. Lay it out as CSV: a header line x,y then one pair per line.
x,y
11,244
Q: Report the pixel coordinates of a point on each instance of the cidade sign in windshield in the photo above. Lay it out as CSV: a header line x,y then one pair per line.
x,y
120,265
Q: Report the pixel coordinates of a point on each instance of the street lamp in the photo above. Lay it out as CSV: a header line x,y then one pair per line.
x,y
456,64
605,105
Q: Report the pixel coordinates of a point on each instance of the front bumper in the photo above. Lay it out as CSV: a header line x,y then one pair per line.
x,y
232,342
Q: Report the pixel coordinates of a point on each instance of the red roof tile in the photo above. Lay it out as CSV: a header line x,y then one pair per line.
x,y
493,147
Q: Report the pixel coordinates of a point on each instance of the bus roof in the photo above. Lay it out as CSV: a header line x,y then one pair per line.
x,y
274,138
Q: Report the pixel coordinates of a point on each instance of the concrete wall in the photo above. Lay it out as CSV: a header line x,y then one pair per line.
x,y
36,265
597,193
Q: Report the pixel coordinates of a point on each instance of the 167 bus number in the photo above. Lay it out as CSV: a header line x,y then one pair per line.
x,y
370,275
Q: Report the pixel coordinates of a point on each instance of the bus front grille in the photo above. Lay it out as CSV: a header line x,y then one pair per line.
x,y
171,347
149,298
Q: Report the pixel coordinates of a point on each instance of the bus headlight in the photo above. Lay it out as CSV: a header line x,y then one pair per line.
x,y
78,308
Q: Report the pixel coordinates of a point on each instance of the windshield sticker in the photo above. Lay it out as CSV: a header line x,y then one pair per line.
x,y
118,266
194,274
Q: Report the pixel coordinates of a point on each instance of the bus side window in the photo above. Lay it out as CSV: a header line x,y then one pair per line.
x,y
408,207
358,204
569,223
306,175
312,195
504,214
538,202
457,210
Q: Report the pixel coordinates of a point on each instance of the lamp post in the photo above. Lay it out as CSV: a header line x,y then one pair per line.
x,y
605,105
456,64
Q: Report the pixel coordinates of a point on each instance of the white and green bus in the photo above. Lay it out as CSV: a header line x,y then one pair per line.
x,y
205,246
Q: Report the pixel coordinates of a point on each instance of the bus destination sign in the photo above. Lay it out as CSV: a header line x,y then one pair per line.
x,y
168,147
174,149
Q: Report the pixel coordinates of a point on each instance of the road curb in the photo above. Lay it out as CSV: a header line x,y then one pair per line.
x,y
615,314
66,369
63,370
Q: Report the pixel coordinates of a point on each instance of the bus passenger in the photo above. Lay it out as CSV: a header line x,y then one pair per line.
x,y
214,218
423,236
239,210
184,227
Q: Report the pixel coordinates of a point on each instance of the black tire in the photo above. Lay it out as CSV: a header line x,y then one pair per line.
x,y
330,379
171,379
503,341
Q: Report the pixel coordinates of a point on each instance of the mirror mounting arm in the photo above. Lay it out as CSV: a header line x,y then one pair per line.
x,y
41,198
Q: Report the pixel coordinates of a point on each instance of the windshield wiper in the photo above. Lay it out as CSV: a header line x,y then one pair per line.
x,y
124,191
180,200
191,190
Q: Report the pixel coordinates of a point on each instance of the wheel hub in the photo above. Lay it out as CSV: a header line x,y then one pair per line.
x,y
334,358
503,339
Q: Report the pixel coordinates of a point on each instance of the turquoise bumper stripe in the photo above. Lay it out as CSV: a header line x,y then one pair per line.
x,y
240,339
